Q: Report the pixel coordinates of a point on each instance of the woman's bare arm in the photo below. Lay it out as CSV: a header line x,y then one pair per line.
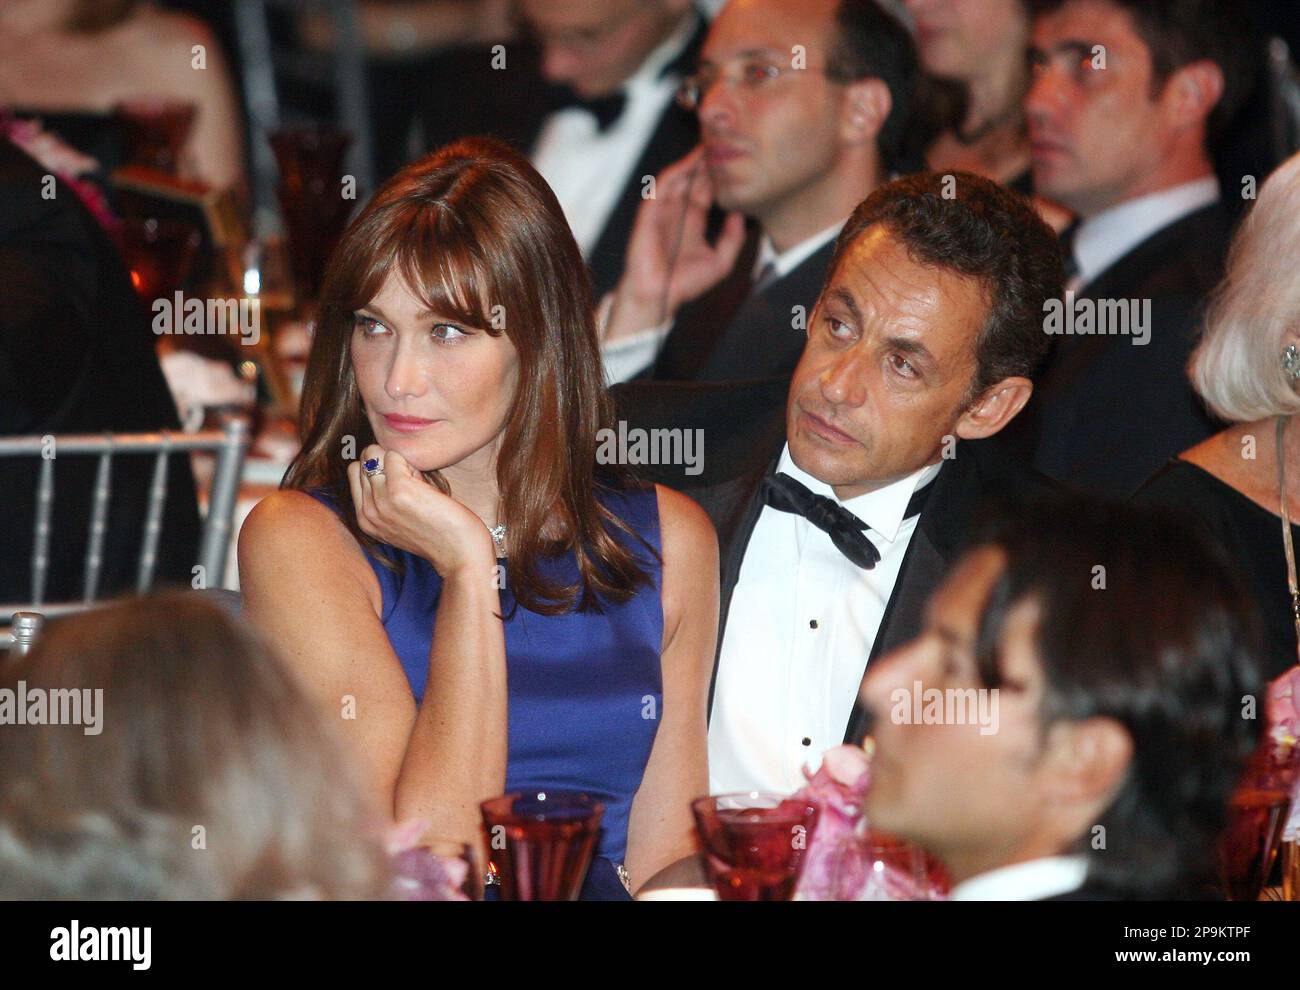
x,y
661,830
311,593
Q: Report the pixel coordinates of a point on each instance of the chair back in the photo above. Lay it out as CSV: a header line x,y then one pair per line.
x,y
229,444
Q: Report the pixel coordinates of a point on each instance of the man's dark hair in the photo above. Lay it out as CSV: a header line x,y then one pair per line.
x,y
1141,621
871,42
1180,32
974,227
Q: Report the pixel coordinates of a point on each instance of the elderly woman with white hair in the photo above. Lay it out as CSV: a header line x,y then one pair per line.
x,y
1244,482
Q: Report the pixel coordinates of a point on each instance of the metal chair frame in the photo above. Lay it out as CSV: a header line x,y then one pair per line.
x,y
229,444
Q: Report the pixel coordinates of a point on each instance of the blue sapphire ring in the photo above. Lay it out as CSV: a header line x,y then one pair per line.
x,y
371,467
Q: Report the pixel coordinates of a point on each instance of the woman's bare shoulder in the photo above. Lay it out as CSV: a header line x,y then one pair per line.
x,y
684,526
172,47
291,531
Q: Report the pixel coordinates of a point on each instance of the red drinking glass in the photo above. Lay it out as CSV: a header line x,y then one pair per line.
x,y
159,253
755,843
311,194
541,843
154,131
1256,816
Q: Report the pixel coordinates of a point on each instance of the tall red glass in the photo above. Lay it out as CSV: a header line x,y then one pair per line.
x,y
755,843
154,131
312,201
159,253
541,843
1249,845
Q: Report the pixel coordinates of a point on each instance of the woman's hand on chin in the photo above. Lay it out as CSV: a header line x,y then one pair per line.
x,y
400,508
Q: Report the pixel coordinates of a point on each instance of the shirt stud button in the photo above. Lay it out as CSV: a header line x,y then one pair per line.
x,y
807,741
812,623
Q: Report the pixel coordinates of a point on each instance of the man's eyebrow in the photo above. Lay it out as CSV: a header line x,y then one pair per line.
x,y
747,53
1076,47
951,637
841,295
909,345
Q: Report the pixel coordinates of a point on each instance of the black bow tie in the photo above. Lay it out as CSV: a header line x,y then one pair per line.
x,y
785,494
606,109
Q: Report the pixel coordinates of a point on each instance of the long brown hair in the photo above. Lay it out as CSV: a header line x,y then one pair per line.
x,y
199,727
478,235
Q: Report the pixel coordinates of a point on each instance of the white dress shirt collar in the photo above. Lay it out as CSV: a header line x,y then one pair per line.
x,y
1029,881
791,258
883,509
1105,238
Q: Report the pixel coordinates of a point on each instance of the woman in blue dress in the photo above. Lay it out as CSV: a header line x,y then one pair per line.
x,y
481,605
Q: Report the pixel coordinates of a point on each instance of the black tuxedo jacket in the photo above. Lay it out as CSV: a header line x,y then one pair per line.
x,y
677,132
733,334
77,356
744,427
1106,414
514,105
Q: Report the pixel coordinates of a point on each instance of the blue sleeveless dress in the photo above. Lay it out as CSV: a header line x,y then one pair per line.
x,y
585,688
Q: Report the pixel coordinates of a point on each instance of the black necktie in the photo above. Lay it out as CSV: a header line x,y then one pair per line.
x,y
785,494
606,109
1068,236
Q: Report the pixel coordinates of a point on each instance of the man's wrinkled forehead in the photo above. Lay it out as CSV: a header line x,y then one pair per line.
x,y
884,279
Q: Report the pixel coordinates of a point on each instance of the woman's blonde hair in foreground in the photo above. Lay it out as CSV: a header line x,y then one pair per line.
x,y
212,775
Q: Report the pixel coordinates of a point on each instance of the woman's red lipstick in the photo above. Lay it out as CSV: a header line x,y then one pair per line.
x,y
406,424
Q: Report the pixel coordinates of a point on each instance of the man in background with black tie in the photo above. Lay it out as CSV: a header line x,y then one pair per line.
x,y
612,69
804,109
840,508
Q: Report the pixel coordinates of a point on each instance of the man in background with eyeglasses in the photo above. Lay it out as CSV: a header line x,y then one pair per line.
x,y
803,110
611,68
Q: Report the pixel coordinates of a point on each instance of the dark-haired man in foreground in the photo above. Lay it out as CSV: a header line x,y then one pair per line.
x,y
1117,651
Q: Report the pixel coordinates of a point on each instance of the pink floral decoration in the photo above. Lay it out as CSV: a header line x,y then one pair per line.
x,y
69,164
839,864
419,875
1283,712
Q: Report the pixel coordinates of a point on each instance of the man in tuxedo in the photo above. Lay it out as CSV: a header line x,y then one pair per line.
x,y
919,350
803,110
1043,736
77,356
610,120
1126,98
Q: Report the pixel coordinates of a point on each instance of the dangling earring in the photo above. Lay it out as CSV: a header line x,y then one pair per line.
x,y
1291,363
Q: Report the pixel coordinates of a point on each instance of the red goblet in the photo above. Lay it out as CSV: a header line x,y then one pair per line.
x,y
755,843
541,843
1249,845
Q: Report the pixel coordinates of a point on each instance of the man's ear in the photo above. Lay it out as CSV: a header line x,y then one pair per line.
x,y
1192,92
995,408
1088,761
866,108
